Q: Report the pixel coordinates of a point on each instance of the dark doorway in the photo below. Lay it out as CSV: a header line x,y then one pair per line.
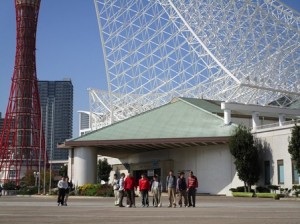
x,y
149,173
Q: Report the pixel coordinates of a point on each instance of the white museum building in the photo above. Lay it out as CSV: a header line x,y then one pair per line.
x,y
189,134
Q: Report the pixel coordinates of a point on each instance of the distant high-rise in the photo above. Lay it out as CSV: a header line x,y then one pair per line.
x,y
84,122
57,113
87,121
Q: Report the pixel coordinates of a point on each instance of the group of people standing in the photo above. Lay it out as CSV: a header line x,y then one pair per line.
x,y
124,186
186,190
64,187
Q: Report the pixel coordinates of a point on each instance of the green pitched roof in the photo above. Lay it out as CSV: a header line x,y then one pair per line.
x,y
182,118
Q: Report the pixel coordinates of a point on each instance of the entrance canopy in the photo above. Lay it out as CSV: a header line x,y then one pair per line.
x,y
181,123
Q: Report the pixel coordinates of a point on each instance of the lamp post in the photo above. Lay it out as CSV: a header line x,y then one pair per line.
x,y
36,176
65,169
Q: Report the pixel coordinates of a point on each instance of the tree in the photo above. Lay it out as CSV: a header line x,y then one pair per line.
x,y
294,146
63,171
103,170
29,179
245,152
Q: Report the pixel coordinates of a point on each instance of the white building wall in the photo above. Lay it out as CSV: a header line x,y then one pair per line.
x,y
213,166
277,141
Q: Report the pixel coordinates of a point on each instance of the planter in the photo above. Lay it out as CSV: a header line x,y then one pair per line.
x,y
242,194
265,195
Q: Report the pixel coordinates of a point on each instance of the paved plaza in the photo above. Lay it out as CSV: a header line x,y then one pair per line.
x,y
209,210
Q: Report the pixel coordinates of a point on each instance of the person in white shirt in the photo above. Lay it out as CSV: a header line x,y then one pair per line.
x,y
62,186
115,184
121,190
156,189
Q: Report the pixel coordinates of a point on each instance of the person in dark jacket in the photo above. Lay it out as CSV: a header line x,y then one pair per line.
x,y
68,190
182,190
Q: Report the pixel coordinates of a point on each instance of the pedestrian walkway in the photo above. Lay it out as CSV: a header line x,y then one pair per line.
x,y
209,210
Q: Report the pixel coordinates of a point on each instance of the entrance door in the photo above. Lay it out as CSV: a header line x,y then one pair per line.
x,y
149,173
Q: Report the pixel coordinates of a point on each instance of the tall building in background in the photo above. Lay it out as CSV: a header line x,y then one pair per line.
x,y
57,113
87,121
84,122
22,140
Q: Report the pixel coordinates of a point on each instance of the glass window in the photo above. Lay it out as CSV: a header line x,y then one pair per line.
x,y
267,172
280,171
295,173
12,173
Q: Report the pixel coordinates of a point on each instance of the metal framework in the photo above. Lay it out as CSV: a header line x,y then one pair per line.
x,y
22,140
239,51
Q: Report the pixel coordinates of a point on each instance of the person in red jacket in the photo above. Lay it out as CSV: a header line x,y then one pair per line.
x,y
144,187
129,185
192,188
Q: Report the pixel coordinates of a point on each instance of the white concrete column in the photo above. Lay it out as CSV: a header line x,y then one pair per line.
x,y
255,120
281,119
227,116
85,165
70,164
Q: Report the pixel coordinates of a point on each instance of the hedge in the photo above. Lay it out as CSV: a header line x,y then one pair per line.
x,y
242,194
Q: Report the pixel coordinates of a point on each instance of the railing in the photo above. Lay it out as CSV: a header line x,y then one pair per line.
x,y
277,124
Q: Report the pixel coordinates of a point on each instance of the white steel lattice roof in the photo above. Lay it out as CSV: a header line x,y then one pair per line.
x,y
240,51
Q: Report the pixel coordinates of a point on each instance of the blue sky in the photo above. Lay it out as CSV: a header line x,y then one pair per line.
x,y
68,46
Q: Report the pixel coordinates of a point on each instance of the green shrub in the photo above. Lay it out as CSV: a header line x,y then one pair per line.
x,y
273,188
242,194
277,196
90,192
105,191
96,190
296,187
28,190
233,189
261,189
9,186
240,189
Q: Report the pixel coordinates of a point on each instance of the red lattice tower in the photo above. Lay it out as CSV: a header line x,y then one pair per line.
x,y
22,140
